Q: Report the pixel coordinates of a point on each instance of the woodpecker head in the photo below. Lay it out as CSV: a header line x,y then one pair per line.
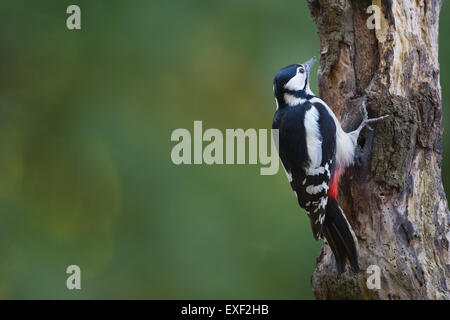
x,y
292,83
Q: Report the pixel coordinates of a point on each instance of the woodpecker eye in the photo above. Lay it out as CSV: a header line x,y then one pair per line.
x,y
301,70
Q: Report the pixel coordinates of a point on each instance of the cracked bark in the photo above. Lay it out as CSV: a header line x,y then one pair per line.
x,y
395,202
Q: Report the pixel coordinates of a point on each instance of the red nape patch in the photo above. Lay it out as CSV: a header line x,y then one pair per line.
x,y
333,191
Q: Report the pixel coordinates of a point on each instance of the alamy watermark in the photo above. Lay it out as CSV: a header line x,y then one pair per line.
x,y
226,148
73,22
74,280
374,21
374,280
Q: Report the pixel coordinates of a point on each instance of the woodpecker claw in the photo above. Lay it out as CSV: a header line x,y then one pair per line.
x,y
362,154
366,119
377,119
364,111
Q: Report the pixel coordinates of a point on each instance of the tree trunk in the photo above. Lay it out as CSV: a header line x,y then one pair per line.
x,y
395,201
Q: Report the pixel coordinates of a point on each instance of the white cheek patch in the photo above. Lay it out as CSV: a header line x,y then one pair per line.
x,y
296,83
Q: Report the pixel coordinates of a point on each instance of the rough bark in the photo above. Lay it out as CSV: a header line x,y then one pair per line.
x,y
395,202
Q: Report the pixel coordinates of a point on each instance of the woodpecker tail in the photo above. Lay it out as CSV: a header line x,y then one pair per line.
x,y
337,232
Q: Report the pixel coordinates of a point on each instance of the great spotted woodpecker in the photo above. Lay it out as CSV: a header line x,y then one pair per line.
x,y
315,150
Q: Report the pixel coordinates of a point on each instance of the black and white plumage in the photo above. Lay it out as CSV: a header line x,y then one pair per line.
x,y
314,150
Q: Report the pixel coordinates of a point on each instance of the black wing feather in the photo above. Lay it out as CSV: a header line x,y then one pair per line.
x,y
293,154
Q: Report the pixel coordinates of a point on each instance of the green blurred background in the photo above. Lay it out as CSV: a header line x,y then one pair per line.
x,y
85,171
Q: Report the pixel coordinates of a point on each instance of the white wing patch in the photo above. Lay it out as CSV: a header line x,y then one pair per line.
x,y
320,219
317,189
319,170
323,202
345,143
313,137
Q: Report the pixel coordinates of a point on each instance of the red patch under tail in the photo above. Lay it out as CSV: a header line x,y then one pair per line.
x,y
333,191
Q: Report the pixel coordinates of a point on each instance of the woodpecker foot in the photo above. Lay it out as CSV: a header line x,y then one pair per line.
x,y
366,119
362,153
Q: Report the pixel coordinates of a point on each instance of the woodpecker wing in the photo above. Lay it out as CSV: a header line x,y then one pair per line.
x,y
307,147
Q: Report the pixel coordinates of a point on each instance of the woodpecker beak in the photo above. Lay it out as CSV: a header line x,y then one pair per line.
x,y
309,64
